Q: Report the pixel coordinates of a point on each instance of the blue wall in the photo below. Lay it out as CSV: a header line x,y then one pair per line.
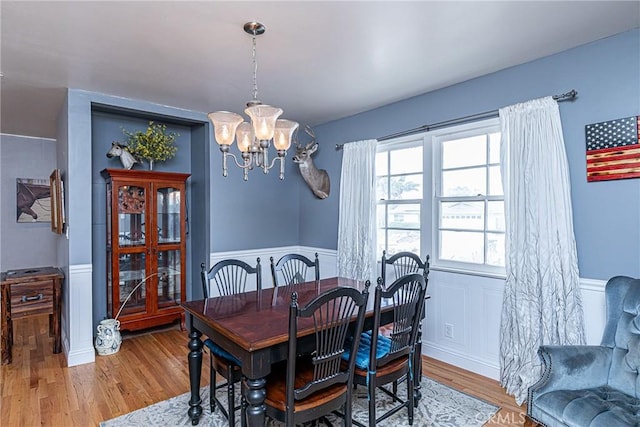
x,y
606,75
259,213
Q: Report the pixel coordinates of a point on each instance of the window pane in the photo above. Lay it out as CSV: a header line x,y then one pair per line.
x,y
406,187
381,188
494,147
464,246
382,166
462,215
495,249
495,181
403,240
464,152
380,216
406,160
465,182
403,216
495,216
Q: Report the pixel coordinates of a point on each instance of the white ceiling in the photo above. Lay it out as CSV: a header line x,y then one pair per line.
x,y
318,60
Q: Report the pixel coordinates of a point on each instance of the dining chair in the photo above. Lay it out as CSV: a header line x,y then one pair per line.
x,y
318,383
294,268
403,263
382,360
230,277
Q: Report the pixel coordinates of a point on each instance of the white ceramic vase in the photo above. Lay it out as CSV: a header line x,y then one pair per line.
x,y
108,339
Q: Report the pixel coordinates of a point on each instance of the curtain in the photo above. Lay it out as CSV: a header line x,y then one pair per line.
x,y
542,302
357,217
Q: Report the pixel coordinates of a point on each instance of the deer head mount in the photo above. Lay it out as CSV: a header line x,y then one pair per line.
x,y
316,179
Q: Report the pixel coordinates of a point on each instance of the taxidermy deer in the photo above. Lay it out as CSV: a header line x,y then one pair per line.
x,y
316,179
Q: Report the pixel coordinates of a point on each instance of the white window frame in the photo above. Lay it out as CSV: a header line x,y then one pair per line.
x,y
436,138
410,142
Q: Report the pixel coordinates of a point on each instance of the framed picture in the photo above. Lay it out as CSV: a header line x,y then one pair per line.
x,y
57,202
33,200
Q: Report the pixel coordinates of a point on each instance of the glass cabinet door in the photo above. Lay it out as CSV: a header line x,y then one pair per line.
x,y
169,278
168,214
132,273
131,214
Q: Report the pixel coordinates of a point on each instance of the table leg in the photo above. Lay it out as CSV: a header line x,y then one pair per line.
x,y
255,393
54,318
195,370
6,326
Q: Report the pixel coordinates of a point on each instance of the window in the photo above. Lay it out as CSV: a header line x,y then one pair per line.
x,y
399,181
468,204
464,199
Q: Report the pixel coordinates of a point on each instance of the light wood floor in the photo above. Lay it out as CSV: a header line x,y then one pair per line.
x,y
38,388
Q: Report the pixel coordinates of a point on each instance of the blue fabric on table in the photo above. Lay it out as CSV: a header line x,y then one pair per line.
x,y
220,352
364,349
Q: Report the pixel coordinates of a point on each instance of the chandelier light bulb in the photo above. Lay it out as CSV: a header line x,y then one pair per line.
x,y
283,133
224,126
244,137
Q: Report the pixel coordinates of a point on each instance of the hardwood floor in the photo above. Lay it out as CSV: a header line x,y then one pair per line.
x,y
38,388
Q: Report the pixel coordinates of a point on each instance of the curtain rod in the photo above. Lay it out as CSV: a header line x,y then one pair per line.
x,y
569,96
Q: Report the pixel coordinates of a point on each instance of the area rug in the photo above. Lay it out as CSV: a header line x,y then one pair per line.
x,y
440,406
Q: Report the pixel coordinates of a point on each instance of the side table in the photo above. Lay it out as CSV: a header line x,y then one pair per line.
x,y
30,292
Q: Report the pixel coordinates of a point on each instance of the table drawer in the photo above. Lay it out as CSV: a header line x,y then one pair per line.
x,y
31,298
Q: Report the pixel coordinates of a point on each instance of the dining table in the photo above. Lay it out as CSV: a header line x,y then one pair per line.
x,y
253,326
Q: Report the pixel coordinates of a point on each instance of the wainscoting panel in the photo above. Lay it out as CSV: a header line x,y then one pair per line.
x,y
595,312
77,333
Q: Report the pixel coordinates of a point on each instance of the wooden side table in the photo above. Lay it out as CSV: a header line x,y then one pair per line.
x,y
30,292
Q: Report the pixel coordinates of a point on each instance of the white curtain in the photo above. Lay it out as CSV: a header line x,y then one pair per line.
x,y
542,301
357,217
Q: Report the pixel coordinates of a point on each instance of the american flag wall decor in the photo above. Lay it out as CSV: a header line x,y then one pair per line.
x,y
613,149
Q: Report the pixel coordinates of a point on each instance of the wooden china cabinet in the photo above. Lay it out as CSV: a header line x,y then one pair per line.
x,y
146,247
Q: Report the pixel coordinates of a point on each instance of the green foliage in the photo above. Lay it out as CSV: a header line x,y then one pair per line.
x,y
153,144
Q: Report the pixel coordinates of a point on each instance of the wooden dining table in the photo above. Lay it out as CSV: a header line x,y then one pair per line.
x,y
253,326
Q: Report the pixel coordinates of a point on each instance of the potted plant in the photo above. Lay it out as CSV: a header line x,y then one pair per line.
x,y
154,144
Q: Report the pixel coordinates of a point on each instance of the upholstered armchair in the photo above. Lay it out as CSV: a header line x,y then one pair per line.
x,y
595,385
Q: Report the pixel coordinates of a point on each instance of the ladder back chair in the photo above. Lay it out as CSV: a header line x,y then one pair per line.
x,y
404,263
316,384
230,277
294,268
383,360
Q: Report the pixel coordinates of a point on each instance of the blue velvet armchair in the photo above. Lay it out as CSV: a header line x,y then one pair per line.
x,y
595,385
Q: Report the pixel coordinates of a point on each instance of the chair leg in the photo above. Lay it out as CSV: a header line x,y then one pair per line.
x,y
395,390
212,384
372,403
231,401
410,396
348,415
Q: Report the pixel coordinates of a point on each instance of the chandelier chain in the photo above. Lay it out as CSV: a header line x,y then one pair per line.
x,y
255,70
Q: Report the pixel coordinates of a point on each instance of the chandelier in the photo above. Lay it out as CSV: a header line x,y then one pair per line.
x,y
254,139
